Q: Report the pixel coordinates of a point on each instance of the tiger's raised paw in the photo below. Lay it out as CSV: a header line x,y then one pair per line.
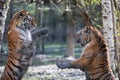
x,y
39,32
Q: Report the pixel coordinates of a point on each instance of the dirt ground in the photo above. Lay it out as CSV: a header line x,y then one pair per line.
x,y
44,68
51,72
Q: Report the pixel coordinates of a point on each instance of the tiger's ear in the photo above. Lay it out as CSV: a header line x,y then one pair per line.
x,y
23,12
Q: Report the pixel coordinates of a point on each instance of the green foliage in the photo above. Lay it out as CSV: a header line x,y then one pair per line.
x,y
53,17
91,2
31,8
95,1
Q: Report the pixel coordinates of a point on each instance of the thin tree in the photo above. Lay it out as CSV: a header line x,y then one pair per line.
x,y
70,31
117,57
107,17
4,6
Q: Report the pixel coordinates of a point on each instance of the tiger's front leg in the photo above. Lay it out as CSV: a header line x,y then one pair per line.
x,y
30,37
66,63
76,64
80,63
38,32
29,40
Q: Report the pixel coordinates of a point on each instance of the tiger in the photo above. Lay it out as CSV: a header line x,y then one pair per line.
x,y
22,34
94,59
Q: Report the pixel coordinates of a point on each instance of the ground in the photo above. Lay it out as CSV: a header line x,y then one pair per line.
x,y
51,72
44,68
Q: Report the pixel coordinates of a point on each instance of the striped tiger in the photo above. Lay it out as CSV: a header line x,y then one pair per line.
x,y
95,57
22,33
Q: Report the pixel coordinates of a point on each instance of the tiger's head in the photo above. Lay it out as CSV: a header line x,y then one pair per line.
x,y
83,36
86,35
22,19
23,31
20,29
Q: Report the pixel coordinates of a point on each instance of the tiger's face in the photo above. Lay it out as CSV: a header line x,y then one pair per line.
x,y
23,19
83,36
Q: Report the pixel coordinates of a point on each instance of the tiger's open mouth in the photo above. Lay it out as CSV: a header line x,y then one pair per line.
x,y
82,43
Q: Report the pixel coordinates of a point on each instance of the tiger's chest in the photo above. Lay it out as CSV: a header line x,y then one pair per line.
x,y
27,45
27,41
27,49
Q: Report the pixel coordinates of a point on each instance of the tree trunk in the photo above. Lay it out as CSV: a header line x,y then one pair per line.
x,y
116,41
39,20
118,32
70,29
70,39
108,30
4,6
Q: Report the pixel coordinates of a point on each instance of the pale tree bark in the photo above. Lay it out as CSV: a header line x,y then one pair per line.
x,y
116,40
118,36
4,6
108,30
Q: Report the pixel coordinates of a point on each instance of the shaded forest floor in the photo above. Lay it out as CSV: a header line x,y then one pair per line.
x,y
44,68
